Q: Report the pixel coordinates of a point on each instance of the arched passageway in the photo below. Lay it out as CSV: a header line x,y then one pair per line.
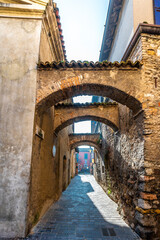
x,y
120,82
87,143
66,115
76,140
58,82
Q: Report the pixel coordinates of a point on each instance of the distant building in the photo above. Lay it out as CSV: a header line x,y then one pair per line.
x,y
84,159
122,20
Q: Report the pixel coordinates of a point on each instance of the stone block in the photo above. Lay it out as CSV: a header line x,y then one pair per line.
x,y
148,196
145,220
144,204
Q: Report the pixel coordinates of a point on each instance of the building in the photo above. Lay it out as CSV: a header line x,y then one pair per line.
x,y
84,159
122,20
30,32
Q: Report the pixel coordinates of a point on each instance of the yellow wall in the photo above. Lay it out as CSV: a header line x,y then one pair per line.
x,y
142,12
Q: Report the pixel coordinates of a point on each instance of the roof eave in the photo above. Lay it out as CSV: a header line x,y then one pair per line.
x,y
142,28
113,7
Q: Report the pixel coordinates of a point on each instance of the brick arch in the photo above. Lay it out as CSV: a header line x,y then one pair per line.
x,y
66,115
86,118
86,138
89,143
120,83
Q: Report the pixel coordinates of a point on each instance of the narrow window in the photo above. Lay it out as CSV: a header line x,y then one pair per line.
x,y
156,11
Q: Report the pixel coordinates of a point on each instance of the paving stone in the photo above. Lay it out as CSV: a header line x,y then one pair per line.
x,y
81,213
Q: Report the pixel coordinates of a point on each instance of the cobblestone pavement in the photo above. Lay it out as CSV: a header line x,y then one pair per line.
x,y
85,212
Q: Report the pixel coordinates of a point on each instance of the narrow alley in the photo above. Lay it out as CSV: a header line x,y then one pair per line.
x,y
84,211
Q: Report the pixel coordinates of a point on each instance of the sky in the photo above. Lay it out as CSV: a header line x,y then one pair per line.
x,y
82,23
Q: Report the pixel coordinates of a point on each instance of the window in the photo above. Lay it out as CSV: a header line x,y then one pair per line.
x,y
85,155
157,12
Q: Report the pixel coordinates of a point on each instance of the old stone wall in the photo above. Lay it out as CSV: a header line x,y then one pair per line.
x,y
19,55
147,49
124,162
148,209
132,162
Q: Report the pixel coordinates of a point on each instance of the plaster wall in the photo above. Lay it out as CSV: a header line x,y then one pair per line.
x,y
18,57
132,14
124,32
73,163
142,12
49,174
45,53
64,151
44,169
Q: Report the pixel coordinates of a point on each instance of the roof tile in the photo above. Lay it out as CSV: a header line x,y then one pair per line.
x,y
86,64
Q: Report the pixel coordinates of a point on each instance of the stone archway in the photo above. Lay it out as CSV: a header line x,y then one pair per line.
x,y
76,140
88,143
66,115
58,82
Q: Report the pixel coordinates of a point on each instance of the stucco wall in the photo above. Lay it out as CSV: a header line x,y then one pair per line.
x,y
47,175
45,53
132,14
64,151
143,12
43,171
73,163
124,32
19,55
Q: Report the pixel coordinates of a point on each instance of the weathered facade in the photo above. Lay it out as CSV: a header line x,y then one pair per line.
x,y
31,175
127,160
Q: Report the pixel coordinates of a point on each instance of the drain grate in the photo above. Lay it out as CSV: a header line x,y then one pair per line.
x,y
112,232
108,232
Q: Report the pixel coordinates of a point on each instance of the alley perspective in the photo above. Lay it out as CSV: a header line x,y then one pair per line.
x,y
84,211
56,183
